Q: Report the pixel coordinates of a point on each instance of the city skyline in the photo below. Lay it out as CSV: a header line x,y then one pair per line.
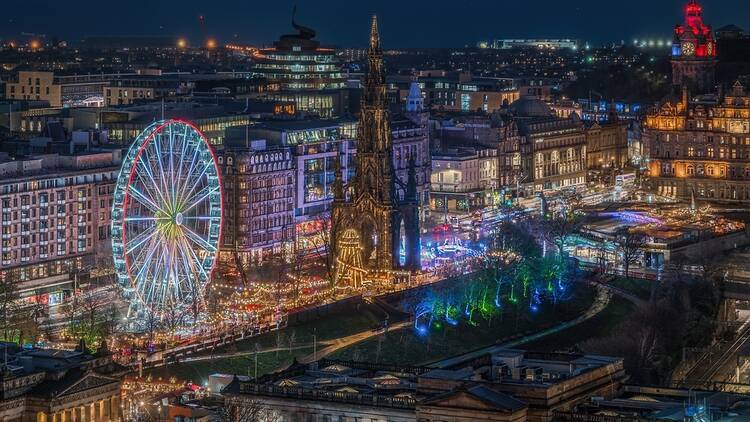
x,y
336,22
525,224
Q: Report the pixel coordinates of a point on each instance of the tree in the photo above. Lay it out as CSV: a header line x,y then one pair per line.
x,y
325,246
279,341
630,244
558,228
296,266
29,321
292,337
8,306
711,265
151,324
243,410
172,318
87,317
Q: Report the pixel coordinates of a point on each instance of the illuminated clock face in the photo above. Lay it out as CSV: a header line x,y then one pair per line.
x,y
688,49
710,49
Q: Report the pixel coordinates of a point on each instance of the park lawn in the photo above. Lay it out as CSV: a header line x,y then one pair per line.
x,y
408,347
599,325
198,372
326,328
637,286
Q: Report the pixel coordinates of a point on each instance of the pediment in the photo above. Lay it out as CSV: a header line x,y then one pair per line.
x,y
461,399
89,381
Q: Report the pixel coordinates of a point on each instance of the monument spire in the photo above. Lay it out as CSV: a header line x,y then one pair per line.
x,y
374,35
367,214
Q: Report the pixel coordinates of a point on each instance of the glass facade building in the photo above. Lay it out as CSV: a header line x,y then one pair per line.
x,y
298,69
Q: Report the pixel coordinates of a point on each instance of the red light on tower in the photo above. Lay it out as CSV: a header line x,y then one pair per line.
x,y
693,8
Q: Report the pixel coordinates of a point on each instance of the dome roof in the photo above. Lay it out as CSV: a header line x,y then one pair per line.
x,y
529,106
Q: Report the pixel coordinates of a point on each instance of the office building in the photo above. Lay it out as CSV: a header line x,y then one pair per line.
x,y
298,69
124,123
59,91
459,91
455,183
315,145
55,220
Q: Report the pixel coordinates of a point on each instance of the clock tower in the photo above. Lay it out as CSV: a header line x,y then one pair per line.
x,y
694,52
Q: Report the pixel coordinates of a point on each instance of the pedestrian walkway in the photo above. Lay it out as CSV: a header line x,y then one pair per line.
x,y
601,301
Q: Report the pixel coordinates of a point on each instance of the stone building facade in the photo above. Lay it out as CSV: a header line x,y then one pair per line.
x,y
701,148
492,384
45,385
539,151
259,192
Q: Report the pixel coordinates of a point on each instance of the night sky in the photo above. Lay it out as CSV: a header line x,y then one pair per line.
x,y
404,23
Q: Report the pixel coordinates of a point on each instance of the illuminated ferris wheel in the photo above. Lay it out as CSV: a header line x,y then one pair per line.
x,y
166,219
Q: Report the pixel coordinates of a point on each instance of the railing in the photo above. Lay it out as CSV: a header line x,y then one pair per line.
x,y
585,417
323,363
298,393
205,344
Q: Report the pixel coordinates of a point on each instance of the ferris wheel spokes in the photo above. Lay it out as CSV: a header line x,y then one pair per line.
x,y
165,238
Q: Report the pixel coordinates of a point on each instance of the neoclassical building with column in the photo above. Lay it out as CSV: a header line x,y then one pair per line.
x,y
48,385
